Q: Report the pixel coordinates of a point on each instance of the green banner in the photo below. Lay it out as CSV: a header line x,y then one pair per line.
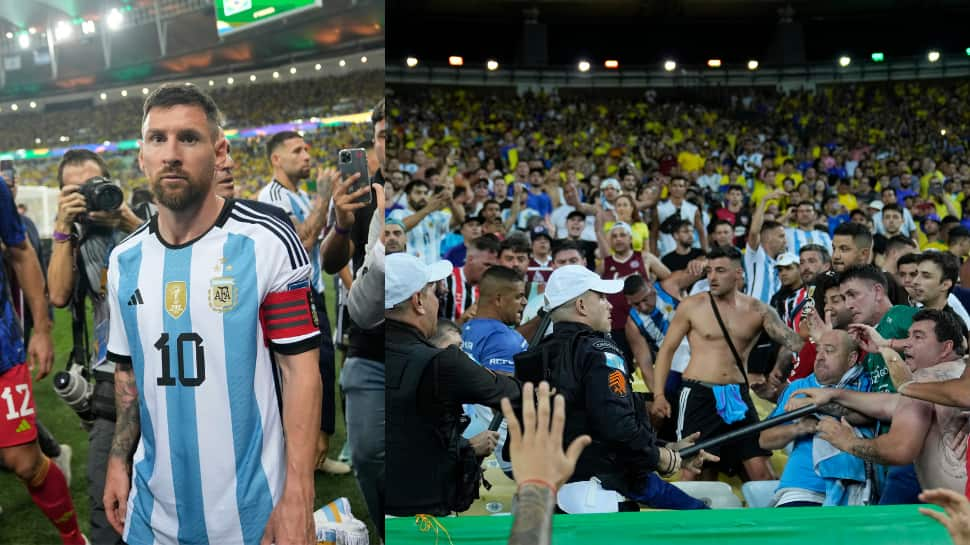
x,y
898,524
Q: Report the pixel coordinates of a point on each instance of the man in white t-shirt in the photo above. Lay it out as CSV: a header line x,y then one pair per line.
x,y
425,221
676,204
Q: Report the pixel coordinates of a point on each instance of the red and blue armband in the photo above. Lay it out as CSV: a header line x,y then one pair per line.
x,y
289,321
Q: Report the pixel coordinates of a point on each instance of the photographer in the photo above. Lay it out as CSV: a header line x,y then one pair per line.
x,y
91,219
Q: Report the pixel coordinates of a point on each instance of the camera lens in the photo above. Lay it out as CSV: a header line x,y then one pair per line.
x,y
345,157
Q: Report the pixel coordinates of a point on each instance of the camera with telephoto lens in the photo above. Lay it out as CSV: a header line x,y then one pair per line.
x,y
101,194
76,390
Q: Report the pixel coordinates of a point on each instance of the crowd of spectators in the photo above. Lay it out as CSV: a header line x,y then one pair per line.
x,y
847,204
244,106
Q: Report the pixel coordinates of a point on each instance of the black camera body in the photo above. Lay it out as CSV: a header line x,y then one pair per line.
x,y
101,194
74,388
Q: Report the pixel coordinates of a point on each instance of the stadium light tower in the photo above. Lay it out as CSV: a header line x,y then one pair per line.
x,y
844,61
752,64
115,19
492,65
411,62
714,63
87,27
670,65
63,31
583,66
342,63
363,60
24,40
612,64
455,60
933,56
878,56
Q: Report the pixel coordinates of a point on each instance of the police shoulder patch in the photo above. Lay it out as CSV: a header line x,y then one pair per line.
x,y
614,361
605,345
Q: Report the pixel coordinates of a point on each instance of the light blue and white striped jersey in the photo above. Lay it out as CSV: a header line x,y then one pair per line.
x,y
424,240
298,205
210,463
761,276
798,238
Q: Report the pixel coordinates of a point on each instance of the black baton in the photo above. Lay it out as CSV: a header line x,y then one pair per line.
x,y
748,430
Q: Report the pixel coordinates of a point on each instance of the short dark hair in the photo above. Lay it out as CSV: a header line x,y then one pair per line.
x,y
858,212
633,284
824,281
486,203
566,246
734,187
277,140
821,250
908,259
899,241
769,224
711,227
947,326
729,252
487,243
516,245
680,224
377,114
957,233
414,183
865,272
497,274
948,263
77,157
861,236
169,95
892,206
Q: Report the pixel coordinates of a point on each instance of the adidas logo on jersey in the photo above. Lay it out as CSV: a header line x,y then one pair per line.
x,y
136,299
24,426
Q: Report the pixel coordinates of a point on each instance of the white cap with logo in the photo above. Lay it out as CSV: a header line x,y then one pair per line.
x,y
571,281
787,259
405,275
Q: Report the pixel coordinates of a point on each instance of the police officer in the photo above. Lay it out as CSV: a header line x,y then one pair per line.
x,y
581,361
430,468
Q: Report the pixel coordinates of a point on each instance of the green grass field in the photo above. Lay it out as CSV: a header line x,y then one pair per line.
x,y
21,523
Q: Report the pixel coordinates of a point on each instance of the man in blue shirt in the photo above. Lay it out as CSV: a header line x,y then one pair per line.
x,y
490,340
836,367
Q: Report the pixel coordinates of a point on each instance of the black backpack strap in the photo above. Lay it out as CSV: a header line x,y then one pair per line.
x,y
727,338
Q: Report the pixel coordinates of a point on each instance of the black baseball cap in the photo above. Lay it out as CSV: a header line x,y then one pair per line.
x,y
576,214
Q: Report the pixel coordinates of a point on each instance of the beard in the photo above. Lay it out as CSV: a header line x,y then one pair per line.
x,y
300,174
180,199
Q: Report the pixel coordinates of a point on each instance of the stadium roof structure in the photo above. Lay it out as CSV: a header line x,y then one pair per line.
x,y
155,40
645,32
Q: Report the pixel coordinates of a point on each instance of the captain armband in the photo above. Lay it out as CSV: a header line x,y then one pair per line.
x,y
289,320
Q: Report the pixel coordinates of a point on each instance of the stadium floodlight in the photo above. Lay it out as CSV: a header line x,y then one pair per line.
x,y
14,107
63,31
64,139
24,40
37,140
942,132
252,77
87,27
456,60
211,83
844,61
491,65
317,66
124,92
611,64
933,56
10,37
878,56
583,66
342,63
752,64
967,51
33,104
144,90
276,75
363,60
230,80
115,18
32,30
292,70
670,65
713,63
411,62
104,96
107,142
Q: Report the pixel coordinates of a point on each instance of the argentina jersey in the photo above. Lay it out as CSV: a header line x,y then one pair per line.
x,y
298,205
210,463
760,274
798,238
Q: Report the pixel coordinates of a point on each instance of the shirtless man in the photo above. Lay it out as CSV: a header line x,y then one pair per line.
x,y
713,367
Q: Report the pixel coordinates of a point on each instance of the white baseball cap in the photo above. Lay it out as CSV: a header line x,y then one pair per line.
x,y
787,259
611,182
405,275
624,226
571,281
877,205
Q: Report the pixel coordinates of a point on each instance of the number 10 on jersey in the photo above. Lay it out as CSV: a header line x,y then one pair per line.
x,y
193,340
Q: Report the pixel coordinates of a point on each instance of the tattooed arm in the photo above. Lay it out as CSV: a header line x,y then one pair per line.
x,y
777,330
900,446
534,505
127,431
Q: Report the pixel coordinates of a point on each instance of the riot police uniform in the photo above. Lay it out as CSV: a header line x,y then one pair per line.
x,y
588,369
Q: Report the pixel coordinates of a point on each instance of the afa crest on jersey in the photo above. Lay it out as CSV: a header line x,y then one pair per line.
x,y
175,298
222,294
